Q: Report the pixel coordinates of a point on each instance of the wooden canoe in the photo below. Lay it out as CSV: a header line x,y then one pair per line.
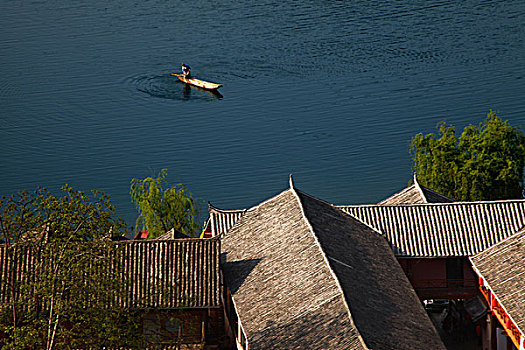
x,y
197,82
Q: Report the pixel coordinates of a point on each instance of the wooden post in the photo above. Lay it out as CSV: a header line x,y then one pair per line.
x,y
491,327
239,334
203,326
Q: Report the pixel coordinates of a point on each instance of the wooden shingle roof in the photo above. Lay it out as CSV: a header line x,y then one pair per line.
x,y
305,275
441,230
182,273
502,266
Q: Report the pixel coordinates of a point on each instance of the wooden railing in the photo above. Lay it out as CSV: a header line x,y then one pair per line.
x,y
501,314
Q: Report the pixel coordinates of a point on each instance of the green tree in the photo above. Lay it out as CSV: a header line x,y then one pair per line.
x,y
59,283
162,208
485,163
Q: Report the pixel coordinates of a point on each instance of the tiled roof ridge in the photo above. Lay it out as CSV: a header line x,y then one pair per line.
x,y
420,190
152,241
437,193
315,198
267,200
220,210
326,259
145,241
433,204
338,208
399,194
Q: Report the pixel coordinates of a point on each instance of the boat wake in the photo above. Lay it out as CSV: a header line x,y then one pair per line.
x,y
168,87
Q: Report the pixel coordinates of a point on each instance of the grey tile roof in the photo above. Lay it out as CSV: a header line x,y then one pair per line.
x,y
187,269
304,275
502,266
221,221
441,230
166,274
427,230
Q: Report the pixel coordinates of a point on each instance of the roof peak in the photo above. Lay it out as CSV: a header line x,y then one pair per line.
x,y
444,204
420,189
297,194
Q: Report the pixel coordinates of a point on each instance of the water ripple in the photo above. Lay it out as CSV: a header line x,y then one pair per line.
x,y
329,90
168,87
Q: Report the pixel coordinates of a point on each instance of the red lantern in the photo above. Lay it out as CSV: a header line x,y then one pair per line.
x,y
480,281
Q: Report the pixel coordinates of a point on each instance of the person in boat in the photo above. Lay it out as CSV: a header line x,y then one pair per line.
x,y
186,70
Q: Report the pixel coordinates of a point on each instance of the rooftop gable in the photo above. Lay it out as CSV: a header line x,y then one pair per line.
x,y
300,272
386,310
415,194
220,221
280,281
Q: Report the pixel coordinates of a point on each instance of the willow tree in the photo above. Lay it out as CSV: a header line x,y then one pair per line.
x,y
162,207
485,163
59,287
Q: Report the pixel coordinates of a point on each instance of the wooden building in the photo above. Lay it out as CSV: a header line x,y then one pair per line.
x,y
501,271
433,241
174,283
431,237
188,269
305,275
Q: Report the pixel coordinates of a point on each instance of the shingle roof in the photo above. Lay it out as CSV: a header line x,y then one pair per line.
x,y
415,194
186,269
441,230
502,266
304,274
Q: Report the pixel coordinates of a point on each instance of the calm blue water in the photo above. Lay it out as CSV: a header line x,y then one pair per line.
x,y
329,91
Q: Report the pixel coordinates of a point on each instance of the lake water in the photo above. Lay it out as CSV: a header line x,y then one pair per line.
x,y
331,91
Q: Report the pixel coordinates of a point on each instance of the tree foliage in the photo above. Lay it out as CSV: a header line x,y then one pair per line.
x,y
162,208
57,290
485,163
